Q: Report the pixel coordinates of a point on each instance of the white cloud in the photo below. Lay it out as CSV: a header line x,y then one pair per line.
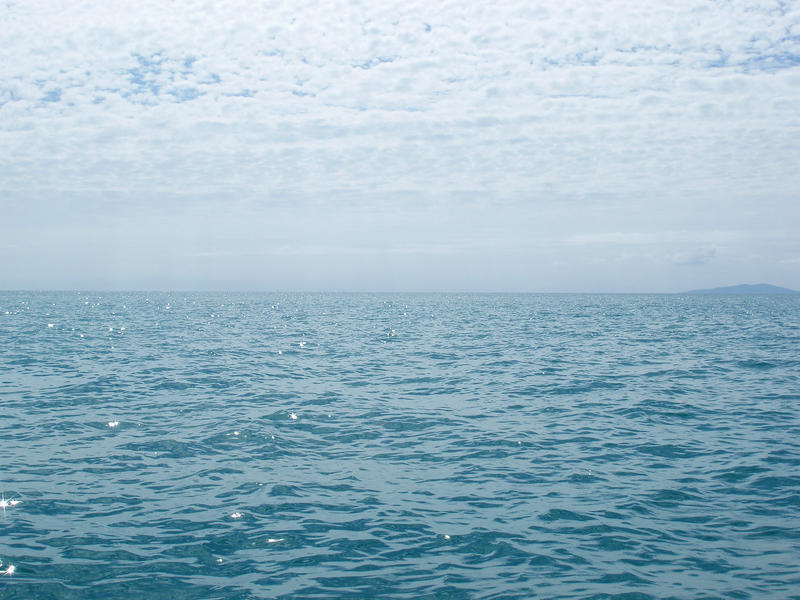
x,y
678,111
694,257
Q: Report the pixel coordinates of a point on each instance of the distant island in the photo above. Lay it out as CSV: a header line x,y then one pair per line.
x,y
758,288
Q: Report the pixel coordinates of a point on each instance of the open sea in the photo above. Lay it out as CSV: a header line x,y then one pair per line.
x,y
316,446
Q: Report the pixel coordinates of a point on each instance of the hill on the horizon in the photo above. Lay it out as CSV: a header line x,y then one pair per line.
x,y
758,288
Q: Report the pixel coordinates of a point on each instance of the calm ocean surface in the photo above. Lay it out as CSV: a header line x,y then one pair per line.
x,y
444,446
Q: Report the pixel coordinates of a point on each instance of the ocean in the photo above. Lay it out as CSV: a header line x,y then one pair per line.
x,y
414,446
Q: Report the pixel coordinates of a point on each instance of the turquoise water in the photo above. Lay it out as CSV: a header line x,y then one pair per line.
x,y
444,446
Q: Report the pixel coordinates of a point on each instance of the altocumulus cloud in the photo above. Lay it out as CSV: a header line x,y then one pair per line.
x,y
477,141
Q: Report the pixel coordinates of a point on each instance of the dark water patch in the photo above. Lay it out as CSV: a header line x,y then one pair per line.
x,y
758,365
556,514
671,451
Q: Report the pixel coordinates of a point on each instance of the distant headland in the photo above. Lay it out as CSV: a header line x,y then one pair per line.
x,y
758,288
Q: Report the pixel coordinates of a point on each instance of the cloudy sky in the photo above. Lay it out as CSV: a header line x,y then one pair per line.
x,y
417,145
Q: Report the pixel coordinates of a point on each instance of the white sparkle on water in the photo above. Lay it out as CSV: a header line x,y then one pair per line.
x,y
4,504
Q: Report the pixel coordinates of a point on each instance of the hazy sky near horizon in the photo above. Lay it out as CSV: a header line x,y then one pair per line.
x,y
415,145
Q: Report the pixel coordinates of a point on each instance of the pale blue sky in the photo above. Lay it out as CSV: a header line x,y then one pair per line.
x,y
510,146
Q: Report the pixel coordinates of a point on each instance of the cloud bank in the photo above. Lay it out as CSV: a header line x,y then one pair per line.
x,y
488,136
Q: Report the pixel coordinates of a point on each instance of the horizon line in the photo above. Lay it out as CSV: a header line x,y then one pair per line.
x,y
354,292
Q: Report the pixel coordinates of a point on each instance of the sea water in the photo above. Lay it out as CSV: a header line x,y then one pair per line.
x,y
233,446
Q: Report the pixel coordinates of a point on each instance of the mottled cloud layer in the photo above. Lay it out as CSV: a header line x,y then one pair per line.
x,y
414,145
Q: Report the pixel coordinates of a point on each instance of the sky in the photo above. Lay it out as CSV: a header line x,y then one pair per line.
x,y
553,146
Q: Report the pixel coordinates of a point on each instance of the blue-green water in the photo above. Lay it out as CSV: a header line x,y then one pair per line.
x,y
444,446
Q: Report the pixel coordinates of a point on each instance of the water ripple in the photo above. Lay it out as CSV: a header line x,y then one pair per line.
x,y
444,446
